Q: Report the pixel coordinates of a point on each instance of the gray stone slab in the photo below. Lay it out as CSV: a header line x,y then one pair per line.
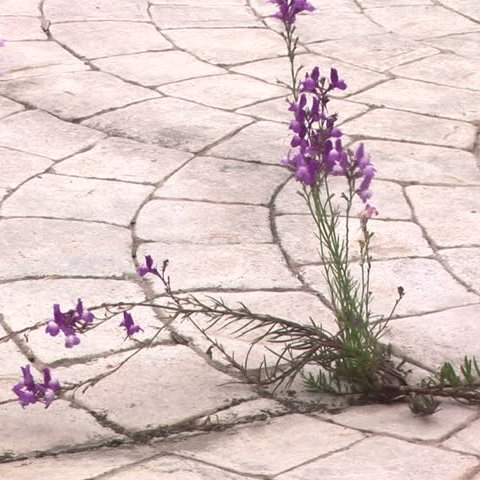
x,y
30,247
428,286
170,123
464,263
223,91
117,158
29,59
18,166
204,16
421,97
461,226
410,127
466,440
273,446
215,45
413,163
421,21
42,134
210,223
128,10
7,107
222,266
49,427
21,28
157,68
438,337
378,458
467,44
77,198
218,180
75,95
186,388
102,39
378,52
76,466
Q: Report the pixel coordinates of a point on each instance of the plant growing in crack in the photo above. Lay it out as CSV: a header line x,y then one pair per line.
x,y
351,360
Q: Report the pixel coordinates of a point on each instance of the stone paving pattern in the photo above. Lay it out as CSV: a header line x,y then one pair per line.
x,y
135,127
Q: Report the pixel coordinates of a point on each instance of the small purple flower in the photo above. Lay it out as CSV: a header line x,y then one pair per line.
x,y
148,267
368,212
335,81
129,324
288,9
30,392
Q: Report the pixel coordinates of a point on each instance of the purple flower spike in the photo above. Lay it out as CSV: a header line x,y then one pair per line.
x,y
129,324
148,267
335,81
288,9
30,392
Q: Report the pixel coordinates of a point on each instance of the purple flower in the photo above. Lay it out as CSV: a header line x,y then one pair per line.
x,y
288,9
148,267
363,169
335,82
30,392
368,212
129,324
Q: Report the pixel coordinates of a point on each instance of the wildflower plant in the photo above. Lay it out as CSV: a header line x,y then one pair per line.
x,y
352,359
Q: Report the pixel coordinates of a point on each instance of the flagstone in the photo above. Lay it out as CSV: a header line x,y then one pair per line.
x,y
410,127
157,68
15,28
464,263
75,95
7,107
464,7
25,7
102,39
466,440
466,44
169,122
227,181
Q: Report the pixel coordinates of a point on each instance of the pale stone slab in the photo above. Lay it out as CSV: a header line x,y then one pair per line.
x,y
467,44
413,163
467,440
174,468
265,142
444,69
273,446
16,167
218,180
204,16
75,466
223,91
464,7
378,52
50,428
42,134
438,337
209,223
77,198
121,159
7,107
157,68
170,122
25,7
15,28
216,45
421,21
198,3
391,239
222,266
75,95
428,286
31,247
275,69
410,127
28,59
186,388
397,419
379,458
26,303
102,39
421,97
465,263
458,227
128,10
391,3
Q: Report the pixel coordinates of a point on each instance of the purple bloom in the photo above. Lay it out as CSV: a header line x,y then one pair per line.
x,y
148,267
30,392
129,324
335,82
288,9
368,212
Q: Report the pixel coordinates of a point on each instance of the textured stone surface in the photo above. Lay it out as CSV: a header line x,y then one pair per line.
x,y
379,458
7,107
410,127
195,222
466,440
20,28
274,445
169,123
464,262
14,7
185,389
217,180
75,95
117,158
466,44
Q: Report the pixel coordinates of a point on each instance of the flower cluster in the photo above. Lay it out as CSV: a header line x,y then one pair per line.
x,y
69,323
29,392
288,9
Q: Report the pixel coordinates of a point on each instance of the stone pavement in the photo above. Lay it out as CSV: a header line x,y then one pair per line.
x,y
133,127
